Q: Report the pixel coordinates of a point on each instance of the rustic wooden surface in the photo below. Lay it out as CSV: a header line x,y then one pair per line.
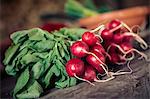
x,y
134,86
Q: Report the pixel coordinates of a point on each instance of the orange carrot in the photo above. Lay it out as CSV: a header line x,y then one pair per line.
x,y
120,14
129,21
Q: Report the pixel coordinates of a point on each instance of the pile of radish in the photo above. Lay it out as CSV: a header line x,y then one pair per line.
x,y
110,44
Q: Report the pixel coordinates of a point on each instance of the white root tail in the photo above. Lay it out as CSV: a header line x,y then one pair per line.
x,y
126,26
122,72
140,53
84,80
101,40
117,47
105,69
97,29
111,78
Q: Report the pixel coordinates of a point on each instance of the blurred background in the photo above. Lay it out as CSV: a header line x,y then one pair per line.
x,y
23,14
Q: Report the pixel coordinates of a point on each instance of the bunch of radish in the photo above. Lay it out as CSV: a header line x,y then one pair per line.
x,y
103,45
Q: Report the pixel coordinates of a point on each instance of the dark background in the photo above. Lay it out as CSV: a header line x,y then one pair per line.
x,y
22,14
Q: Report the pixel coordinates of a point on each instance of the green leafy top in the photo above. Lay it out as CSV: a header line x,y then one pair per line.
x,y
36,57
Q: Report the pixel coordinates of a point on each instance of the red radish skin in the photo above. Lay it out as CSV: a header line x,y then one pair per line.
x,y
126,46
143,44
111,48
74,67
95,62
107,44
99,40
114,58
79,49
89,38
106,34
114,24
118,38
89,73
99,48
127,39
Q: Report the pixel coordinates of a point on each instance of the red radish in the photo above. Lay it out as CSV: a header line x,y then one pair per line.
x,y
118,38
79,49
126,46
111,48
143,44
99,48
123,30
116,25
107,44
127,39
99,39
114,58
89,73
97,61
113,24
74,67
89,38
106,34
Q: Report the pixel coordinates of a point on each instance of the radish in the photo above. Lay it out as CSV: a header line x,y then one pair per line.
x,y
126,46
130,35
127,50
116,25
106,34
75,67
114,58
90,75
99,48
113,24
127,39
118,38
79,49
89,38
111,47
117,43
97,62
